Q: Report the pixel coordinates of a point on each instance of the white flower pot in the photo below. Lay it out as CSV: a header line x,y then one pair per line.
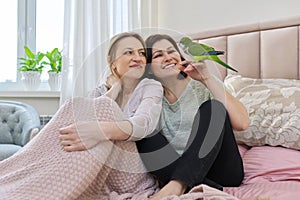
x,y
31,80
54,81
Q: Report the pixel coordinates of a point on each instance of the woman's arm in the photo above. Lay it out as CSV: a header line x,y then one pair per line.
x,y
145,114
84,135
144,110
237,112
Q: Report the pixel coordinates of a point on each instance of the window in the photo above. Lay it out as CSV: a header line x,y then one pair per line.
x,y
35,23
8,39
49,26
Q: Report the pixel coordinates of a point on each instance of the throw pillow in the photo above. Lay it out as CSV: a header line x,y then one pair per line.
x,y
274,110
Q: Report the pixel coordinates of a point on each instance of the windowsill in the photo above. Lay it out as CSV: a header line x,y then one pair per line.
x,y
42,94
17,90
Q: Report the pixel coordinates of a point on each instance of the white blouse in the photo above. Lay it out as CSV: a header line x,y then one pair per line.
x,y
143,108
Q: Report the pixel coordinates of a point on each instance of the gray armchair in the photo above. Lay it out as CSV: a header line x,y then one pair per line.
x,y
18,121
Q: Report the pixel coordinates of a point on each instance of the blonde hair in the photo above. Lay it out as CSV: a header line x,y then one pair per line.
x,y
112,49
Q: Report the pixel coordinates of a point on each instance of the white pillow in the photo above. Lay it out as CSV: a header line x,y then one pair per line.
x,y
274,110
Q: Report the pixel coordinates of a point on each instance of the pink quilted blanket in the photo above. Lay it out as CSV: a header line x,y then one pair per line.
x,y
110,170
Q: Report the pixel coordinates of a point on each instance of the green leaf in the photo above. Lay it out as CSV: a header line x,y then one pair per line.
x,y
54,60
28,52
40,56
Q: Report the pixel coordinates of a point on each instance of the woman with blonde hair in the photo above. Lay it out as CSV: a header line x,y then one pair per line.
x,y
88,146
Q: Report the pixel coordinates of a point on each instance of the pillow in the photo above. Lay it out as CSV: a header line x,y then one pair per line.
x,y
274,110
243,149
266,163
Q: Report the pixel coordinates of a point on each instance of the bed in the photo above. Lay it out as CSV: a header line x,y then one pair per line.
x,y
267,57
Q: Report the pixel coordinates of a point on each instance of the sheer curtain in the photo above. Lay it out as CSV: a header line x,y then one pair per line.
x,y
88,26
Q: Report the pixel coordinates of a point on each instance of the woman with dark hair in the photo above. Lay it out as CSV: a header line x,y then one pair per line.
x,y
195,143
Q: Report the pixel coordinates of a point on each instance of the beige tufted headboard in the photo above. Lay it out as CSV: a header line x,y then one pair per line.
x,y
261,50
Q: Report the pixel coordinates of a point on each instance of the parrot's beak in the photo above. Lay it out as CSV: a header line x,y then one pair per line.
x,y
182,46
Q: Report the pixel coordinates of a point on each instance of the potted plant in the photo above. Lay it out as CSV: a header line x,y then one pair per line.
x,y
31,69
55,62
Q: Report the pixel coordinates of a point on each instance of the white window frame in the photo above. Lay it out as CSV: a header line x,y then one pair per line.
x,y
26,36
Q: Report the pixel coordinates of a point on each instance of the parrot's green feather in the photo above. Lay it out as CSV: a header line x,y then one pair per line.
x,y
201,58
196,50
218,60
213,58
206,47
185,41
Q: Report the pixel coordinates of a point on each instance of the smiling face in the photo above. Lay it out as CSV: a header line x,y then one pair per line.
x,y
165,59
130,59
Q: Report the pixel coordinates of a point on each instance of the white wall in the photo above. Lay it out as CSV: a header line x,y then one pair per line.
x,y
189,16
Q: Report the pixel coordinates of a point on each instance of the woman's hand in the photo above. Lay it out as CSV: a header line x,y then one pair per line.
x,y
196,70
115,89
81,136
238,114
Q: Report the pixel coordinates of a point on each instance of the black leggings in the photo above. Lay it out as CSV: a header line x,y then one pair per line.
x,y
211,156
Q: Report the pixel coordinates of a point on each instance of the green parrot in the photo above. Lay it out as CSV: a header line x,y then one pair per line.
x,y
199,52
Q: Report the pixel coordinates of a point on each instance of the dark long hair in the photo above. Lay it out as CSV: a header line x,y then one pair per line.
x,y
149,44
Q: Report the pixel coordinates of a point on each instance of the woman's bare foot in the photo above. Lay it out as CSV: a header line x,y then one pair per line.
x,y
174,187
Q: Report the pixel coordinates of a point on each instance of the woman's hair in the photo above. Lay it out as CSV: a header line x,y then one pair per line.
x,y
112,50
149,44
